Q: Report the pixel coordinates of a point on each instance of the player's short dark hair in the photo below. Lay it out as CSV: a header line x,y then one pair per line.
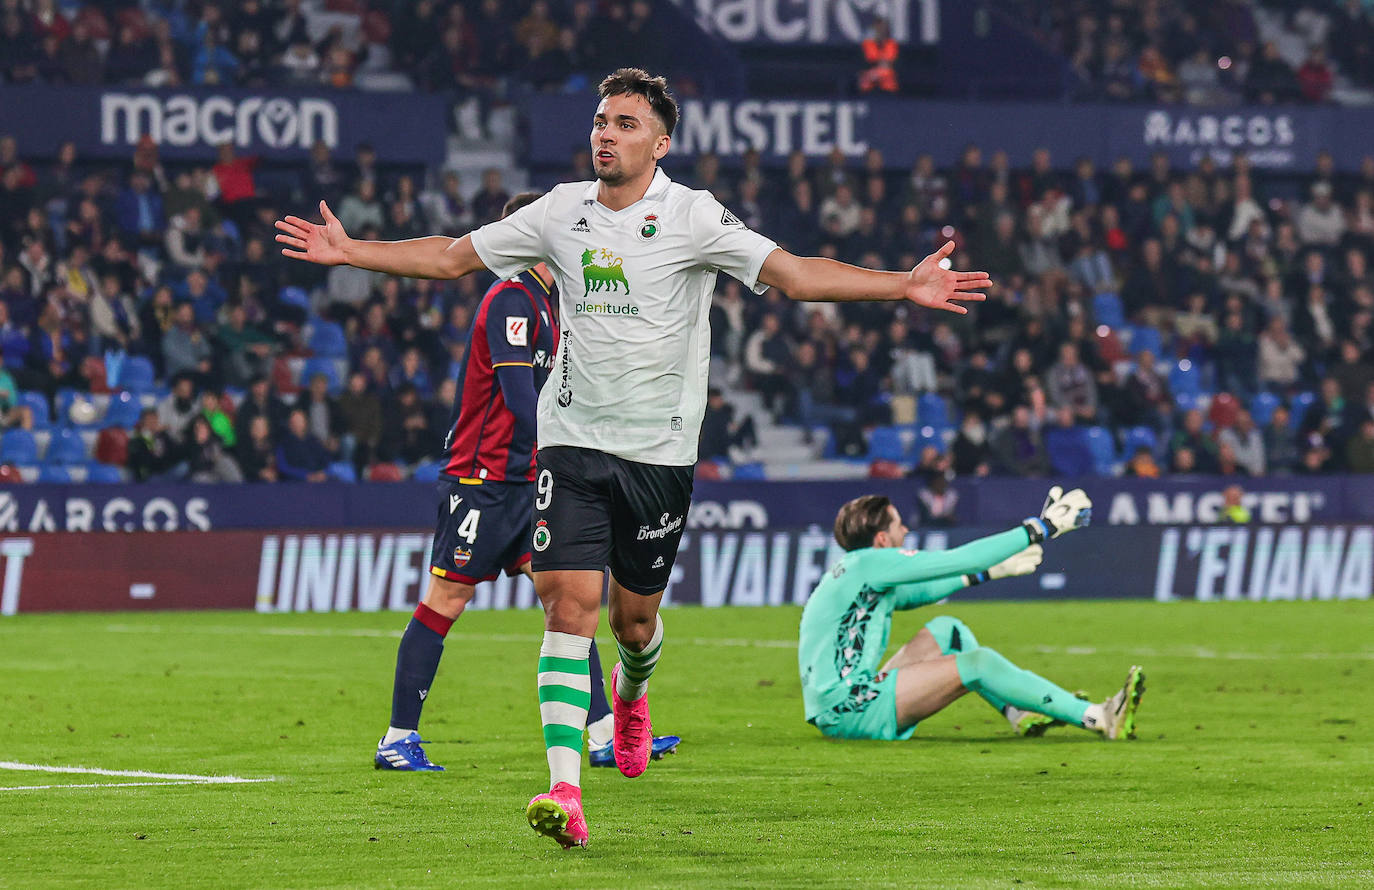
x,y
638,82
860,520
518,201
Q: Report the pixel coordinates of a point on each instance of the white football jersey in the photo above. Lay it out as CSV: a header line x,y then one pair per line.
x,y
635,297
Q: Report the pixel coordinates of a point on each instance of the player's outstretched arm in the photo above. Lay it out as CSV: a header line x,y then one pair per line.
x,y
930,284
329,245
911,596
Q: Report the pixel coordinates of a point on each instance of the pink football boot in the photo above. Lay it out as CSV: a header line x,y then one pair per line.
x,y
558,814
634,735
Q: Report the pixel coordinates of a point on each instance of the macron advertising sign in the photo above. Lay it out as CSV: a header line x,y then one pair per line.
x,y
192,123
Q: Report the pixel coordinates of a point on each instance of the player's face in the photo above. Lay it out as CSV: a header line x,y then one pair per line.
x,y
895,531
627,139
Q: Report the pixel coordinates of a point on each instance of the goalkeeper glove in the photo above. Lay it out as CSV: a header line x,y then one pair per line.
x,y
1063,512
1023,563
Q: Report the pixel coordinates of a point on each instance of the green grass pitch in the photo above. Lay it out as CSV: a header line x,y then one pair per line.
x,y
1254,765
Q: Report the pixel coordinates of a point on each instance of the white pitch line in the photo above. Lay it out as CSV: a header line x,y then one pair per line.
x,y
127,773
733,642
113,785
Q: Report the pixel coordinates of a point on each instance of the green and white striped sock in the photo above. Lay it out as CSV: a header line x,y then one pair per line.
x,y
564,696
637,667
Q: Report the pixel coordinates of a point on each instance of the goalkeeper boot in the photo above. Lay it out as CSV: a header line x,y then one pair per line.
x,y
633,739
405,754
604,755
558,814
1119,721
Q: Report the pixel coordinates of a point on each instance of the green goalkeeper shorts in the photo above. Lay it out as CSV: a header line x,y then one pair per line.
x,y
870,712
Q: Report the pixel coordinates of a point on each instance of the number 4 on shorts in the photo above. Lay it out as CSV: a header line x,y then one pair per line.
x,y
467,529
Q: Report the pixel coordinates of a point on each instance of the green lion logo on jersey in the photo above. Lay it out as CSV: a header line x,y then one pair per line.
x,y
608,274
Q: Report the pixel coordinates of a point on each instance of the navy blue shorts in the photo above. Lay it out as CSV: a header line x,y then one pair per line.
x,y
481,530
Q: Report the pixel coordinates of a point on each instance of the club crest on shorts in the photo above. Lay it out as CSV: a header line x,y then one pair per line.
x,y
461,555
542,536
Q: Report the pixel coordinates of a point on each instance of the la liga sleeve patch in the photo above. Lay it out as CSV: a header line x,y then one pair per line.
x,y
517,330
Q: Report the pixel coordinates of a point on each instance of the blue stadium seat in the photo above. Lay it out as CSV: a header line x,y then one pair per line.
x,y
1187,401
1102,448
327,340
428,471
16,346
1107,310
1146,338
886,444
328,367
932,410
123,410
102,474
136,374
1138,436
1185,377
1262,407
343,471
18,447
749,473
295,296
928,435
1069,452
65,447
37,404
54,473
1301,402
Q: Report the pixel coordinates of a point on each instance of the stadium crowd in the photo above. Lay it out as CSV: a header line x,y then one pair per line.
x,y
480,47
1206,53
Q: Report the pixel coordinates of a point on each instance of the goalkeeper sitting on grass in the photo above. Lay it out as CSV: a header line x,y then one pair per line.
x,y
846,623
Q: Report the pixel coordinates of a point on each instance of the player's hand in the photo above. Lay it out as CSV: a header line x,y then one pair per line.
x,y
315,244
937,287
1022,563
1066,511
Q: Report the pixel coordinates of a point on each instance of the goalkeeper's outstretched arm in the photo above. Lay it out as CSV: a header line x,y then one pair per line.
x,y
911,596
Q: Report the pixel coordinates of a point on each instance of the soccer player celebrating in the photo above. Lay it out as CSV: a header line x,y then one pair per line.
x,y
486,501
618,427
847,620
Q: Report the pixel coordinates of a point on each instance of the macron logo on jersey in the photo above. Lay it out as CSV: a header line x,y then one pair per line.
x,y
453,502
517,330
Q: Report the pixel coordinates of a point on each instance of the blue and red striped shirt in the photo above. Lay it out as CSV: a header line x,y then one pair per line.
x,y
514,325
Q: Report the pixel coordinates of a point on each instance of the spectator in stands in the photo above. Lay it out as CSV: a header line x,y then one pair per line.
x,y
184,346
970,454
406,434
176,410
260,401
256,452
1280,357
1359,451
1245,442
1314,77
1322,221
212,409
300,456
1280,445
322,412
114,316
206,457
768,359
153,452
1325,421
1018,449
880,55
360,419
1070,385
937,503
1190,437
1142,464
487,203
720,431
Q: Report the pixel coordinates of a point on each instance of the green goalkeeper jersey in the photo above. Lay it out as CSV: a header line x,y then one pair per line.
x,y
847,621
